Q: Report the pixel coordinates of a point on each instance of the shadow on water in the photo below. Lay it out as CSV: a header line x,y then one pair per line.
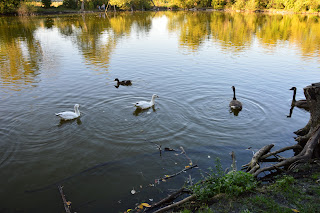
x,y
138,111
65,122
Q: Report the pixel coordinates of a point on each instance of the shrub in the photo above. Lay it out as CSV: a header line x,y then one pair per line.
x,y
72,4
25,9
251,5
239,4
218,4
8,6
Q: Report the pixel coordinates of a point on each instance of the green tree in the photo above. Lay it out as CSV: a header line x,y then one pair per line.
x,y
72,4
46,3
8,6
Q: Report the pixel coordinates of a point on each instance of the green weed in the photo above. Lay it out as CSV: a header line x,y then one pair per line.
x,y
234,183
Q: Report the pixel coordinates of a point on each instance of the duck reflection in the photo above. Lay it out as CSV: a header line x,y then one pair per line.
x,y
64,122
138,111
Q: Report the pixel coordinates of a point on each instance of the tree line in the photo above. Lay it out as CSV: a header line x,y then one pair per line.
x,y
11,6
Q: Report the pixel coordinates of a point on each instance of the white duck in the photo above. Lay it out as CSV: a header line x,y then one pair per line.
x,y
70,115
146,104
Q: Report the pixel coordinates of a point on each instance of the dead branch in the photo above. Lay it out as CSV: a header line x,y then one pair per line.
x,y
174,205
65,203
169,198
170,176
184,152
233,165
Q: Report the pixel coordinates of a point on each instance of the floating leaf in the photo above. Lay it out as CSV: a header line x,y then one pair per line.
x,y
167,175
187,167
163,180
190,164
129,210
68,203
143,205
295,210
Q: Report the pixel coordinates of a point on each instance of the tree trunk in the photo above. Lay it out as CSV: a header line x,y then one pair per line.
x,y
82,6
312,94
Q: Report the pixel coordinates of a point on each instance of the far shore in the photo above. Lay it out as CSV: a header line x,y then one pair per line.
x,y
53,11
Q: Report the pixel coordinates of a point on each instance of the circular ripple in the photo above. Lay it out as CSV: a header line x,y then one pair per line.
x,y
127,125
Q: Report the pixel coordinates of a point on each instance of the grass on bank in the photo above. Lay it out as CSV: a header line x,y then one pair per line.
x,y
298,191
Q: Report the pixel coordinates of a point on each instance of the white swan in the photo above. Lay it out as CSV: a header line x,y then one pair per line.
x,y
70,115
146,104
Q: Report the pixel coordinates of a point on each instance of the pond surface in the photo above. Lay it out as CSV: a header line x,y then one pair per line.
x,y
190,60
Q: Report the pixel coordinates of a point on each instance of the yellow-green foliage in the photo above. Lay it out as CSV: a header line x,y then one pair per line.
x,y
25,9
291,5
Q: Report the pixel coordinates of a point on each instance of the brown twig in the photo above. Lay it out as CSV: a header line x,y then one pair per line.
x,y
65,203
166,208
184,152
169,198
170,176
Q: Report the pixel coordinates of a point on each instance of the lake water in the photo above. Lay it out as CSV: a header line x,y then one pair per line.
x,y
190,60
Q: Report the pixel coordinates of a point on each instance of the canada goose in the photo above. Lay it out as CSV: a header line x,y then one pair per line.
x,y
68,115
124,82
235,104
301,103
146,104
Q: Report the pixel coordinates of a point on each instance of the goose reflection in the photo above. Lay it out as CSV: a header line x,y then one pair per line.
x,y
65,122
138,111
303,104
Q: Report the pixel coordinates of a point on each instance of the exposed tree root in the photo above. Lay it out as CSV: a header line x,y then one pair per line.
x,y
306,154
